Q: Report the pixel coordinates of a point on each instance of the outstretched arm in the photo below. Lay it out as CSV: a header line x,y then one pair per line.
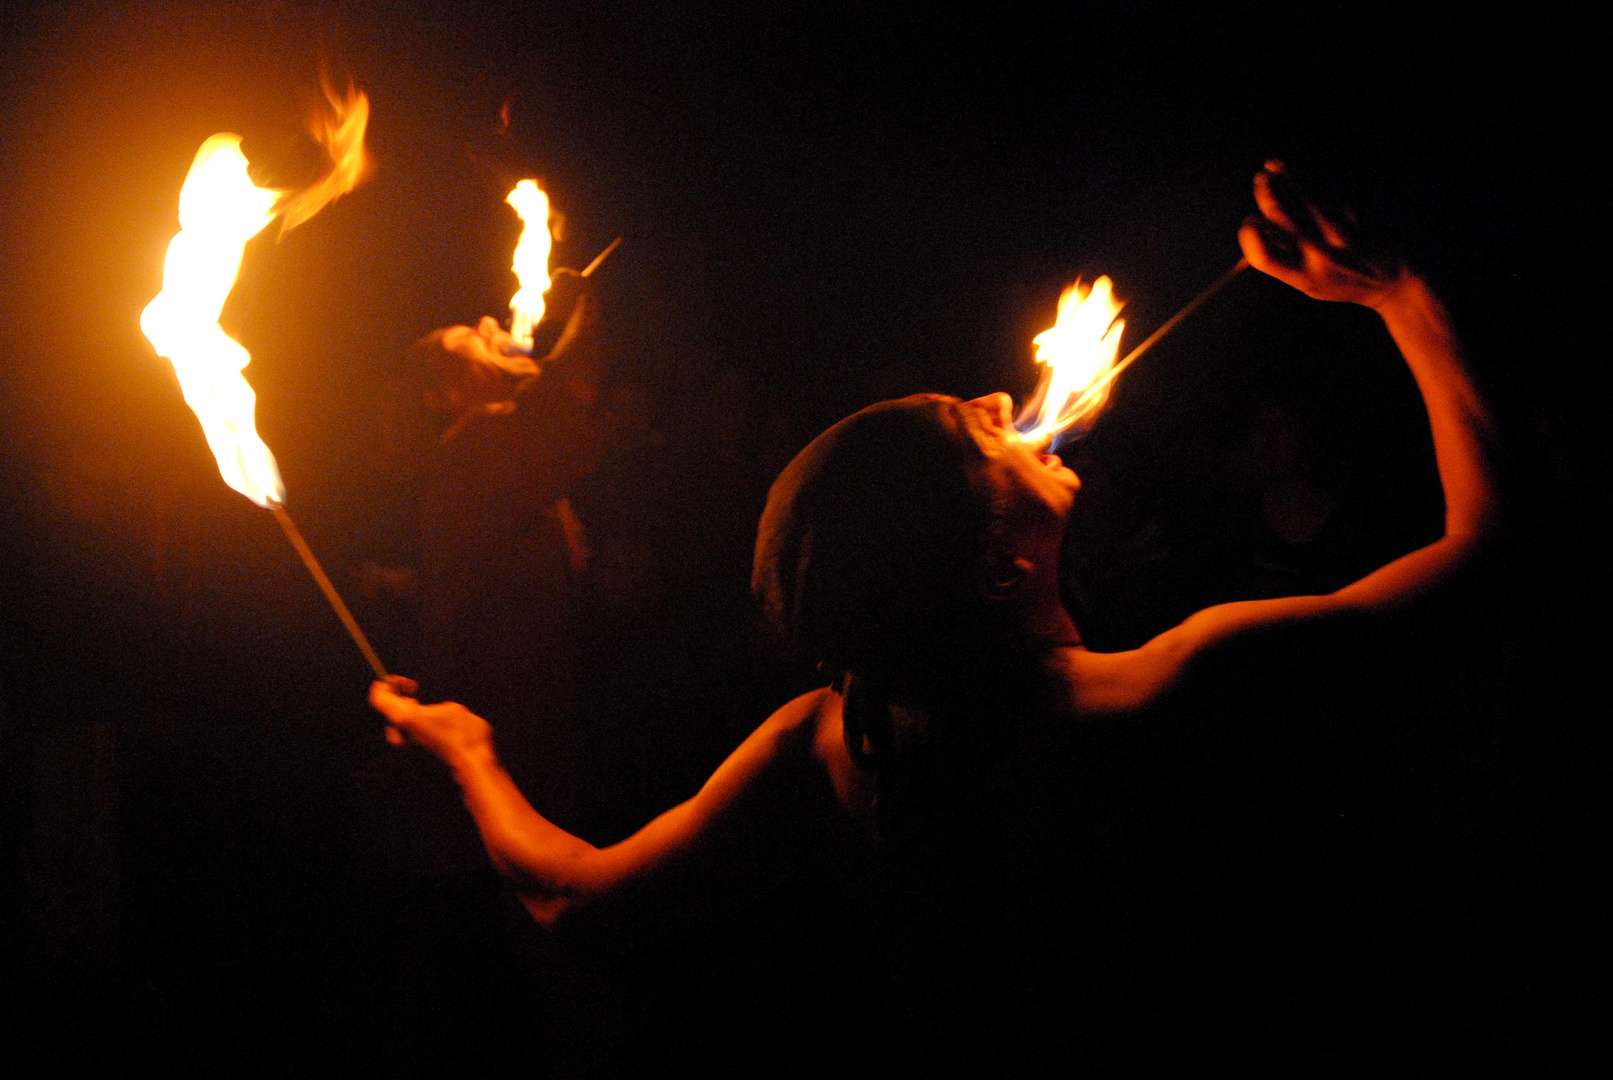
x,y
555,871
1297,244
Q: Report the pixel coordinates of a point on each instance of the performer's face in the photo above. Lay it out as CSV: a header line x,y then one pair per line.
x,y
1020,468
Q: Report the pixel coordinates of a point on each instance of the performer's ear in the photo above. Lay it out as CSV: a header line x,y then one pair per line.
x,y
1004,573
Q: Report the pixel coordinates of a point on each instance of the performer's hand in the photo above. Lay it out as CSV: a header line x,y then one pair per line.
x,y
449,730
491,343
1296,243
406,686
571,310
566,289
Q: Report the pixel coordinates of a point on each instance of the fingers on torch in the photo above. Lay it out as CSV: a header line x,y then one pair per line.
x,y
1271,250
402,684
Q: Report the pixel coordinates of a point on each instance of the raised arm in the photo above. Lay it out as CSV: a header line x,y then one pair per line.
x,y
771,778
1297,244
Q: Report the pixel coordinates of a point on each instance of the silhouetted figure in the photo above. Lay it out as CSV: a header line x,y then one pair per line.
x,y
502,555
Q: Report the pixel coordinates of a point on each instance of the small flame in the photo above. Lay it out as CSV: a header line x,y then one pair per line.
x,y
220,209
531,261
1079,352
341,132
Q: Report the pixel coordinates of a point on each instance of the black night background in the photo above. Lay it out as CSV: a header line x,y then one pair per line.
x,y
822,205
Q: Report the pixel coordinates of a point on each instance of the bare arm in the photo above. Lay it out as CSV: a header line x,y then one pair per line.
x,y
1297,244
555,871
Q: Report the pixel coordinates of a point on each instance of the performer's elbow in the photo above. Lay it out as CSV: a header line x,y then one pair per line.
x,y
548,911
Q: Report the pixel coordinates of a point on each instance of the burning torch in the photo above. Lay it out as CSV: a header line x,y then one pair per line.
x,y
220,209
531,262
1078,353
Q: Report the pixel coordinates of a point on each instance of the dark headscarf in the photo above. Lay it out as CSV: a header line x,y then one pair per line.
x,y
870,555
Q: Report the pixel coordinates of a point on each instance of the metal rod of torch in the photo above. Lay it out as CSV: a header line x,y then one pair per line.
x,y
591,267
1170,324
327,588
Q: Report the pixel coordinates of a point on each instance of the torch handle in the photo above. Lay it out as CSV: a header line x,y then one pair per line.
x,y
591,267
1170,324
1192,305
335,598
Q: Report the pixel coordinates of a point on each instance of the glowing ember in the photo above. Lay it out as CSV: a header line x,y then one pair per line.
x,y
531,261
1079,353
220,209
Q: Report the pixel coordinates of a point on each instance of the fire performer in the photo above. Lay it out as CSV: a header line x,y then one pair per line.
x,y
912,552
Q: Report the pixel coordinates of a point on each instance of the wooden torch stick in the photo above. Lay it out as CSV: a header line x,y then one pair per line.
x,y
1170,324
327,588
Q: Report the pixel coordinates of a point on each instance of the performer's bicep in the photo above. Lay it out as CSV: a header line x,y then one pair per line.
x,y
732,813
1125,682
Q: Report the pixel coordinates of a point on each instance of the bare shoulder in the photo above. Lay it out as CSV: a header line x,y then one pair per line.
x,y
1100,684
783,741
853,786
802,714
1092,684
802,743
815,722
810,731
793,728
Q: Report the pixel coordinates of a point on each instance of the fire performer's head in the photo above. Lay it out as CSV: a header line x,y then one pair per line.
x,y
913,541
912,552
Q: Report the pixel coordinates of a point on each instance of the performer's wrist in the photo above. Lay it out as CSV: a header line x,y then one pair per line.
x,y
1407,296
472,760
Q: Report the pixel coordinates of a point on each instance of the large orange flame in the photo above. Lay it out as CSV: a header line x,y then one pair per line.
x,y
1078,352
220,209
531,260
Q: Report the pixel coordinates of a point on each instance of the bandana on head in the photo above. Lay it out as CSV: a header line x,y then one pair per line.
x,y
869,550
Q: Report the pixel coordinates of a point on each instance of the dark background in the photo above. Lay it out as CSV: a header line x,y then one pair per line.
x,y
822,205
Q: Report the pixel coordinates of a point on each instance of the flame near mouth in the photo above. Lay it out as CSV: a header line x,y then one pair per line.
x,y
1077,352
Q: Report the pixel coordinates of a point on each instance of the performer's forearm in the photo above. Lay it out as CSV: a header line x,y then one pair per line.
x,y
1461,424
543,861
1463,447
